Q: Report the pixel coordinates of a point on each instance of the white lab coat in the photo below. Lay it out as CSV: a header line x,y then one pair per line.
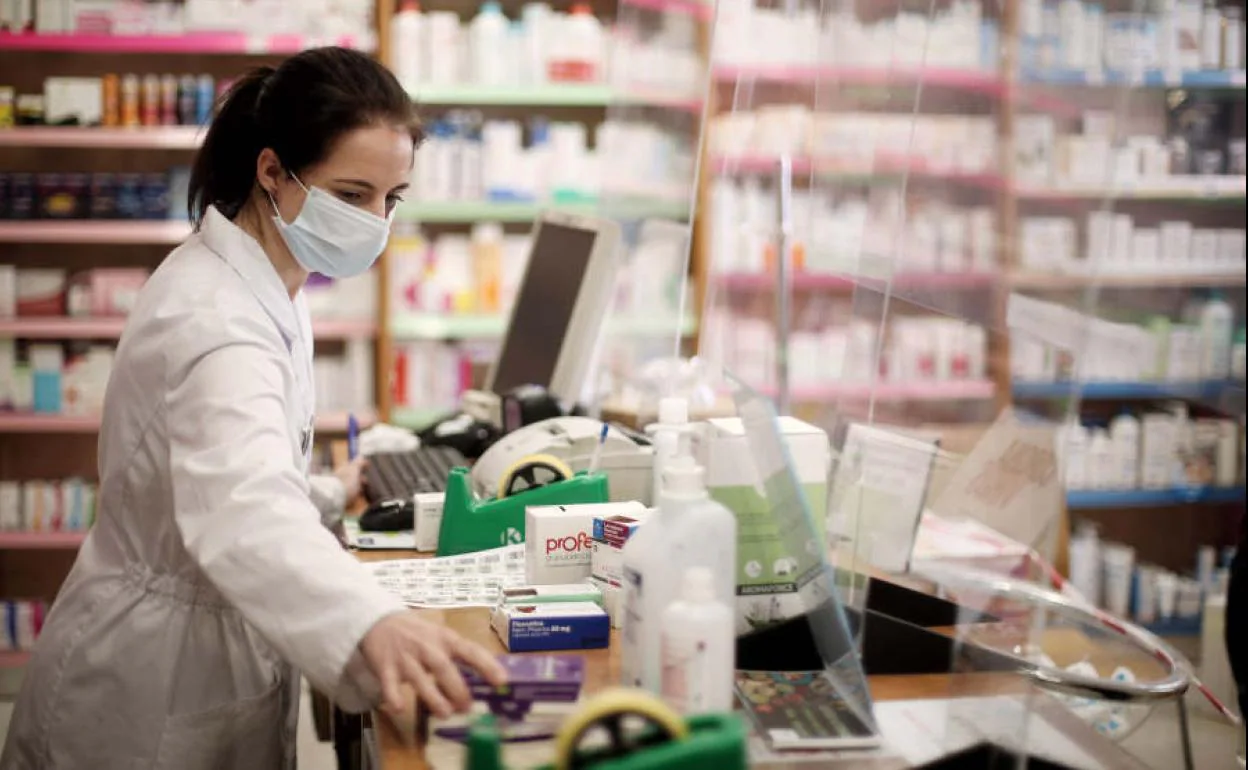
x,y
208,579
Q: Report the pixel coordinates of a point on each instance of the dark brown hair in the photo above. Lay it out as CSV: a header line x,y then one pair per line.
x,y
298,110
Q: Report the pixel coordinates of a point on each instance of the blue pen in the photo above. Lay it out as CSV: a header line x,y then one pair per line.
x,y
353,437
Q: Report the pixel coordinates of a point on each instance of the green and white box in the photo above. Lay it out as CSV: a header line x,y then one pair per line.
x,y
771,578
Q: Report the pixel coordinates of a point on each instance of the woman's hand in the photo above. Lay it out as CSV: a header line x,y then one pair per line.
x,y
404,647
351,475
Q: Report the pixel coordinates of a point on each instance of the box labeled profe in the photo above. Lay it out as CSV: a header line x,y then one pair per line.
x,y
557,540
770,579
555,626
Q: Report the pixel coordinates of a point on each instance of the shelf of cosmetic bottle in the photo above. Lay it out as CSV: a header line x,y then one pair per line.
x,y
946,390
968,79
14,659
32,422
1089,499
457,212
63,328
192,43
1209,79
1194,188
883,166
440,326
104,138
555,95
699,9
47,541
135,232
1136,280
812,281
1110,390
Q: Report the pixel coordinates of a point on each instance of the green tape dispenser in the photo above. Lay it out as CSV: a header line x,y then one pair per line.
x,y
665,741
470,525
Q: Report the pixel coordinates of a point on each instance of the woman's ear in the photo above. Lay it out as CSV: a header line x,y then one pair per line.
x,y
269,171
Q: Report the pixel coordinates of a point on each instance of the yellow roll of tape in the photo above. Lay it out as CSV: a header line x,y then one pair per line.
x,y
608,710
532,472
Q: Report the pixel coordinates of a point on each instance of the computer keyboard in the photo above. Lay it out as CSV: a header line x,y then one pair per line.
x,y
399,475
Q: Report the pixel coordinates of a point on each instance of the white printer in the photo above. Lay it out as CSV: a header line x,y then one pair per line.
x,y
627,464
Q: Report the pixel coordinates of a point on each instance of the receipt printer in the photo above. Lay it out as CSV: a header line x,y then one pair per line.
x,y
627,462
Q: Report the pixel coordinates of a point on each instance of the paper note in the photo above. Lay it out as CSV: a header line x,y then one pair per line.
x,y
467,580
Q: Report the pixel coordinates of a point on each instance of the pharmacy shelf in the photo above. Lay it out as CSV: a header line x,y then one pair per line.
x,y
1173,627
13,422
951,390
196,43
135,232
764,282
29,541
461,212
1212,79
165,138
1153,498
1178,189
433,326
704,11
883,166
414,418
1125,391
555,95
60,328
1060,281
11,660
985,82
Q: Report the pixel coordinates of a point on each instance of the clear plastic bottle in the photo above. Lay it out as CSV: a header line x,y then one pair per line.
x,y
689,530
1217,321
698,648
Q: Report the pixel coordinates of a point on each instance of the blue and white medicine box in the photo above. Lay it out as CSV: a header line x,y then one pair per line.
x,y
553,626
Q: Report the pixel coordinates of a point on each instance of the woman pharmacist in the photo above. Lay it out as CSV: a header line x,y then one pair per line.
x,y
208,583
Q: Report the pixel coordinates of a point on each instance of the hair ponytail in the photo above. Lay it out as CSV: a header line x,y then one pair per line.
x,y
298,110
225,166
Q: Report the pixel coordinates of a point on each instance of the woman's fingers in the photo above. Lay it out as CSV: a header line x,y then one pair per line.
x,y
391,689
475,655
426,688
449,679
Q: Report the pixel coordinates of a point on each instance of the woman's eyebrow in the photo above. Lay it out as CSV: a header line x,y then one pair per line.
x,y
401,188
358,182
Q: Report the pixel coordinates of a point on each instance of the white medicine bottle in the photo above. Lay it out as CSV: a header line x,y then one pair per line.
x,y
409,44
490,45
698,648
665,437
689,530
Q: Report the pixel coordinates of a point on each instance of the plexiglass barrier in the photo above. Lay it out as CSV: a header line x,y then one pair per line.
x,y
988,248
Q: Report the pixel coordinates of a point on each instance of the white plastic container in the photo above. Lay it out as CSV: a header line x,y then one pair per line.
x,y
1167,593
689,530
579,48
1217,331
409,45
1119,561
1085,562
445,48
538,21
1124,431
490,45
1075,453
698,648
665,437
1103,468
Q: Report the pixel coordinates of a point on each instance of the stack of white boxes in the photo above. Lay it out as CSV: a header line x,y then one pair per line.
x,y
610,533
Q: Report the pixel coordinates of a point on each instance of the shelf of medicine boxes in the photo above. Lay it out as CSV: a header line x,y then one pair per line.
x,y
986,82
1135,280
935,390
462,212
803,281
1125,391
883,169
65,328
128,232
1088,499
560,95
44,541
435,326
1206,79
235,43
104,138
34,422
1226,189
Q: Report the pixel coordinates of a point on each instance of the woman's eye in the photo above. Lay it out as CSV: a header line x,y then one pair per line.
x,y
350,197
392,201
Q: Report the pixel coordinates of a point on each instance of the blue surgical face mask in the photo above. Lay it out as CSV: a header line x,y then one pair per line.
x,y
332,237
